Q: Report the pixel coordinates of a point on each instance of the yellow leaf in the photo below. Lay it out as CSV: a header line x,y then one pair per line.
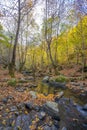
x,y
4,122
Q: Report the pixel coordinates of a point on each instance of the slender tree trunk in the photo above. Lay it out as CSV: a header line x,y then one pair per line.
x,y
52,61
83,49
12,64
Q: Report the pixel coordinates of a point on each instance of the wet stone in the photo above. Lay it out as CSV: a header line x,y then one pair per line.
x,y
1,128
56,123
85,107
46,79
37,108
5,114
85,126
13,108
8,128
21,106
53,127
10,121
29,105
5,100
29,78
51,108
23,80
16,113
46,127
41,115
10,97
64,128
24,121
19,89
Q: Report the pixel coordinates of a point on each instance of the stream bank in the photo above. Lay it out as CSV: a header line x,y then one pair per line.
x,y
33,106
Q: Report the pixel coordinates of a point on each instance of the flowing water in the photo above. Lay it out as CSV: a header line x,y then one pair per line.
x,y
68,111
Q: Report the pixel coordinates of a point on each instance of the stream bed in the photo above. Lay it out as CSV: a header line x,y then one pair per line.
x,y
71,114
46,89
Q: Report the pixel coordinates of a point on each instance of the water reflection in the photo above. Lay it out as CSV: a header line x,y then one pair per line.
x,y
46,89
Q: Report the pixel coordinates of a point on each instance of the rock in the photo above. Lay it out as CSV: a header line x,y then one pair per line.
x,y
51,108
32,86
85,107
4,80
23,80
5,100
21,106
82,112
53,127
85,126
57,84
37,108
13,108
1,128
56,123
30,78
41,115
64,128
5,114
10,97
26,72
52,105
8,128
46,79
59,94
46,127
20,89
17,113
82,95
29,105
74,83
33,94
22,122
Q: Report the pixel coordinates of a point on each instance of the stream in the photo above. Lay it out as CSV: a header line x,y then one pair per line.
x,y
46,89
23,116
73,117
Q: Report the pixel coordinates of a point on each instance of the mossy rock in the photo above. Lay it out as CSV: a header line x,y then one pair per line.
x,y
61,79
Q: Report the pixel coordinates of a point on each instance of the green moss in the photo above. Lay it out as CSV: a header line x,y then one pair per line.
x,y
12,82
61,79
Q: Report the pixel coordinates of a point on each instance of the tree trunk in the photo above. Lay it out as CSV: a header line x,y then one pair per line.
x,y
51,58
83,49
12,64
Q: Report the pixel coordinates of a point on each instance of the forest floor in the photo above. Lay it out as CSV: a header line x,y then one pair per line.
x,y
76,76
18,105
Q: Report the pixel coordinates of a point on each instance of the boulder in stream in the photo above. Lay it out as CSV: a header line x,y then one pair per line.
x,y
51,108
46,79
59,95
57,84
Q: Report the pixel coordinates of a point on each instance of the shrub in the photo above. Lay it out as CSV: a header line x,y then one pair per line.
x,y
12,82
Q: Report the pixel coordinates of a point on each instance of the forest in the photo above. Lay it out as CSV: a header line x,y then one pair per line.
x,y
43,64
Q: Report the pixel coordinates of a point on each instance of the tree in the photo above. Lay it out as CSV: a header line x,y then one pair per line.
x,y
81,9
17,10
53,16
4,47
